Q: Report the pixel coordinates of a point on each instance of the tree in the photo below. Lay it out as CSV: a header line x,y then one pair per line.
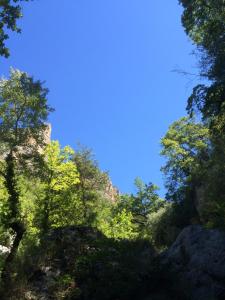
x,y
140,205
146,199
59,178
119,226
204,22
23,114
161,226
92,185
186,147
9,14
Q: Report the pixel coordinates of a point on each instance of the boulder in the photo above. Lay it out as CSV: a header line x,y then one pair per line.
x,y
196,262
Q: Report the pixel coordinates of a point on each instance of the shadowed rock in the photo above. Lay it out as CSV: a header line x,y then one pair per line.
x,y
197,261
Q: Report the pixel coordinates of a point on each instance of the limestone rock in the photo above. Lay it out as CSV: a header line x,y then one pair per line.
x,y
197,260
111,192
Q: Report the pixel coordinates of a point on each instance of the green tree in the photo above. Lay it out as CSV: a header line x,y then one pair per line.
x,y
23,113
204,22
146,199
10,12
92,185
144,202
161,226
186,147
59,179
119,226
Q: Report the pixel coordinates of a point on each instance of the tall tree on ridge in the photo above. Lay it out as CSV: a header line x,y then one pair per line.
x,y
23,114
59,177
92,182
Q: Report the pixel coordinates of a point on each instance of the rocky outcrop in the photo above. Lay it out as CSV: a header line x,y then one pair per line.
x,y
111,192
196,262
45,139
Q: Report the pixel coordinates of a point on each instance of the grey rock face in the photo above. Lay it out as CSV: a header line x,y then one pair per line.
x,y
197,260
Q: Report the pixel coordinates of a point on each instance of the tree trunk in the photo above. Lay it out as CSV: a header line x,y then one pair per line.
x,y
14,222
6,275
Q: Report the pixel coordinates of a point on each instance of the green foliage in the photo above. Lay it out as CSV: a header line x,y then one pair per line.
x,y
146,199
204,22
186,147
119,226
91,266
44,187
3,200
9,15
140,205
161,230
92,186
23,113
59,177
65,288
164,225
113,269
59,171
214,189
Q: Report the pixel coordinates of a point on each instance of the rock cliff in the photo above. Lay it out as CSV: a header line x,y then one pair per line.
x,y
197,262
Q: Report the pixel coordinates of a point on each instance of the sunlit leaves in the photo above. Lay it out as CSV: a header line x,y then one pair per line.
x,y
23,111
186,147
120,226
60,169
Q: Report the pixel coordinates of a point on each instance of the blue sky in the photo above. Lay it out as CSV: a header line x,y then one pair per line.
x,y
108,65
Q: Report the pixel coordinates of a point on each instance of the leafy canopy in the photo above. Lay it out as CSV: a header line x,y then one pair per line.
x,y
57,197
60,172
10,12
23,111
92,185
185,146
204,22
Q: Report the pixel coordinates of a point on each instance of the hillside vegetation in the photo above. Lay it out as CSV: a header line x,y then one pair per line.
x,y
65,231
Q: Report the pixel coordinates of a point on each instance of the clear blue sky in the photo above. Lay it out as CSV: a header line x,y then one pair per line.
x,y
108,65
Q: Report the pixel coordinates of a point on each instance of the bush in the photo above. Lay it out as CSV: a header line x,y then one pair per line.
x,y
161,230
166,223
